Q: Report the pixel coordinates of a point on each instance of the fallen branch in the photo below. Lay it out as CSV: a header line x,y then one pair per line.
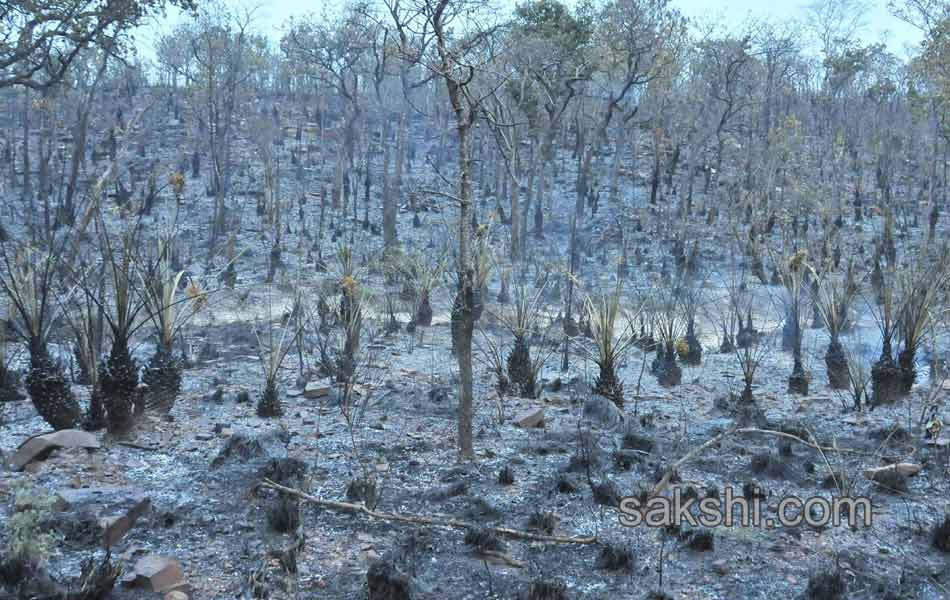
x,y
139,446
665,480
795,438
902,469
424,520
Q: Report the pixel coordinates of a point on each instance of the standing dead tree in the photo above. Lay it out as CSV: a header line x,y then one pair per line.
x,y
460,50
41,39
225,51
331,51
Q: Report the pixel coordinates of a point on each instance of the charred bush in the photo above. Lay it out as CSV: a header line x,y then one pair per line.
x,y
615,558
827,585
701,540
385,582
765,462
940,537
269,404
284,515
484,540
506,476
545,522
362,490
545,590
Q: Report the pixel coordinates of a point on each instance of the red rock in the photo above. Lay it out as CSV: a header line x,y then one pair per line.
x,y
115,527
905,469
315,390
38,447
533,417
158,573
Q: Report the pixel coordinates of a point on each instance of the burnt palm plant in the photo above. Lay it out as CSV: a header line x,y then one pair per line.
x,y
467,311
792,273
753,349
522,321
491,354
273,346
9,379
750,357
168,313
350,315
885,373
833,298
87,322
612,340
859,375
421,277
922,290
484,263
726,313
670,324
694,349
27,279
123,312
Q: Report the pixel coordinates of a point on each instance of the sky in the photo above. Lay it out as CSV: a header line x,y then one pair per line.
x,y
881,25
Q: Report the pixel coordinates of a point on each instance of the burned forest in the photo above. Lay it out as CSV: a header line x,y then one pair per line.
x,y
473,299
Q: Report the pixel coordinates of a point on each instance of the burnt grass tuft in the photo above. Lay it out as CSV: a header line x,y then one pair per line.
x,y
545,522
635,441
700,540
827,585
545,590
385,582
613,557
605,493
484,540
768,464
284,515
565,485
940,538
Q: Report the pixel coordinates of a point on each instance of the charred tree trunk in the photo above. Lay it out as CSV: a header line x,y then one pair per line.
x,y
389,201
163,378
837,365
269,404
118,377
885,377
48,389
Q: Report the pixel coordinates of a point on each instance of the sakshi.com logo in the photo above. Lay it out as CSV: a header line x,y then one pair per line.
x,y
733,509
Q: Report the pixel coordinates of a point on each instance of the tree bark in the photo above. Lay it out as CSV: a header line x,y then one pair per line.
x,y
389,202
515,220
464,312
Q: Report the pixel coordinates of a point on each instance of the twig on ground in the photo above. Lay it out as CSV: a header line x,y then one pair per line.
x,y
424,520
665,480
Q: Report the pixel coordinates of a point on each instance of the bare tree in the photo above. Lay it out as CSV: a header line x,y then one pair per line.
x,y
459,51
40,39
